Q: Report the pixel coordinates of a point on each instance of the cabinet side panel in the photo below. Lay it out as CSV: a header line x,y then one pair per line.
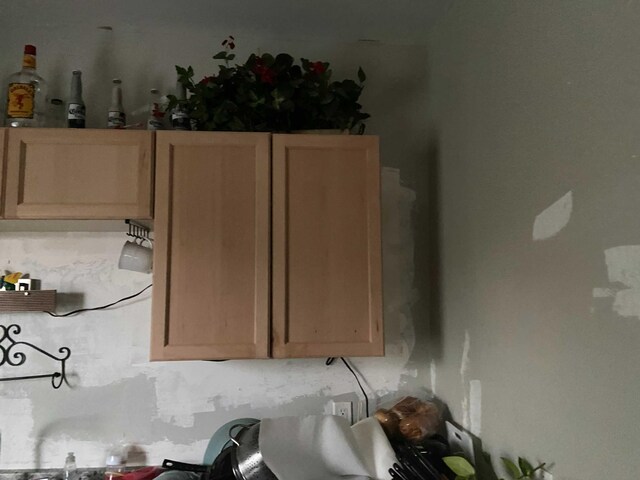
x,y
327,249
216,297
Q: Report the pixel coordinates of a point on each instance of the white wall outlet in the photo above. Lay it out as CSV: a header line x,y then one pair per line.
x,y
343,409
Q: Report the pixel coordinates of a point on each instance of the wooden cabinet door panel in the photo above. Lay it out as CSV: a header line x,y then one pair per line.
x,y
211,259
79,174
327,293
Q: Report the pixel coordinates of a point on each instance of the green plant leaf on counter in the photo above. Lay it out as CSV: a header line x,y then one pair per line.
x,y
525,466
512,469
460,466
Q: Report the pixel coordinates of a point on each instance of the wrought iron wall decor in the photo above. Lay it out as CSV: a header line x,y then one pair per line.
x,y
12,355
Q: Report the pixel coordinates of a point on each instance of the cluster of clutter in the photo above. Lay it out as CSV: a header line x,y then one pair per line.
x,y
15,281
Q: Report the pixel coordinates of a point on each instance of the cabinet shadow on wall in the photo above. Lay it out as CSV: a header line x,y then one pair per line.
x,y
427,310
68,301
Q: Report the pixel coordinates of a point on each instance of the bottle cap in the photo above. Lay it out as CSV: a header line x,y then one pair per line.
x,y
76,72
29,50
117,81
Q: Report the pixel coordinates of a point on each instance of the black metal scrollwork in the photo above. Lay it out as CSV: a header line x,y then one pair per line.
x,y
11,354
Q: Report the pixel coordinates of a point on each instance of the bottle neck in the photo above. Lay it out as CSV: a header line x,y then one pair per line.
x,y
76,89
116,98
29,61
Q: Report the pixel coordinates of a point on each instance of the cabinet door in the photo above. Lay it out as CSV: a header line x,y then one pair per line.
x,y
211,258
79,174
327,292
3,152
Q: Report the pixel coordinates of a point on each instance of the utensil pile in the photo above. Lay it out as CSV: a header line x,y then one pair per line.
x,y
416,463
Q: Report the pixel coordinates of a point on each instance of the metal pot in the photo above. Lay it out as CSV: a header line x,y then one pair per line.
x,y
246,460
219,470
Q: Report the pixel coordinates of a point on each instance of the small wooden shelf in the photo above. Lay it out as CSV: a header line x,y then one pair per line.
x,y
28,301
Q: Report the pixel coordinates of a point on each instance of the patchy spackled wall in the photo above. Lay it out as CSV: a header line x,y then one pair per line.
x,y
164,409
171,409
535,112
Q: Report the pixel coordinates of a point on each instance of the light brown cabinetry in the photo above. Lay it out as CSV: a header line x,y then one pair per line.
x,y
327,291
264,254
78,174
211,255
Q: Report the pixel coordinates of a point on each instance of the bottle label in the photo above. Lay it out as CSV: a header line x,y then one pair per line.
x,y
76,111
180,120
29,61
20,100
116,120
154,124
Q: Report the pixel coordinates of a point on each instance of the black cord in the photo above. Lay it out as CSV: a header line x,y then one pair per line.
x,y
102,307
330,360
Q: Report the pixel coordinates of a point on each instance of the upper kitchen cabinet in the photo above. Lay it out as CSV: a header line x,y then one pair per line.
x,y
327,287
263,253
79,174
211,253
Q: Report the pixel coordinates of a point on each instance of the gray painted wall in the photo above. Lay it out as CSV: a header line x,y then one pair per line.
x,y
529,101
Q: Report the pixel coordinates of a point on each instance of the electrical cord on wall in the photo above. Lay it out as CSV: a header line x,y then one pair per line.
x,y
330,360
102,307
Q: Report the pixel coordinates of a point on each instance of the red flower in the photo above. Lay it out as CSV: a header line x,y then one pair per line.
x,y
229,42
318,68
265,73
206,80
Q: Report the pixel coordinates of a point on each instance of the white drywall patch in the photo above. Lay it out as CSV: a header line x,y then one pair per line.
x,y
549,223
475,407
434,377
623,269
603,293
464,362
464,368
16,415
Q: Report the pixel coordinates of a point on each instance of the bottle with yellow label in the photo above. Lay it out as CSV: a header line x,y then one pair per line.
x,y
25,94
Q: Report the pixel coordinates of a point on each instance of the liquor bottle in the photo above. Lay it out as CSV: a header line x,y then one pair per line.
x,y
26,103
116,117
180,115
70,468
155,118
76,113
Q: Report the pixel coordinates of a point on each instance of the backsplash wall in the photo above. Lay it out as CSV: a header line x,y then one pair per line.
x,y
164,409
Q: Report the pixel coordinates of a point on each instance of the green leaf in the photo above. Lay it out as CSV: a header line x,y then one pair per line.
x,y
230,57
220,55
361,75
460,466
525,466
512,469
268,59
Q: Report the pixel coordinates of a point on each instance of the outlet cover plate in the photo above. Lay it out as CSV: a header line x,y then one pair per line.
x,y
460,442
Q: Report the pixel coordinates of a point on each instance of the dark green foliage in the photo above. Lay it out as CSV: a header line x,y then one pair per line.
x,y
272,94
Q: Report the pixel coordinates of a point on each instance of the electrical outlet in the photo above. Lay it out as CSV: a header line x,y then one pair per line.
x,y
460,442
344,409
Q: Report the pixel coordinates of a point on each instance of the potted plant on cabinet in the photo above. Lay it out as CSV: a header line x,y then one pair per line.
x,y
270,93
